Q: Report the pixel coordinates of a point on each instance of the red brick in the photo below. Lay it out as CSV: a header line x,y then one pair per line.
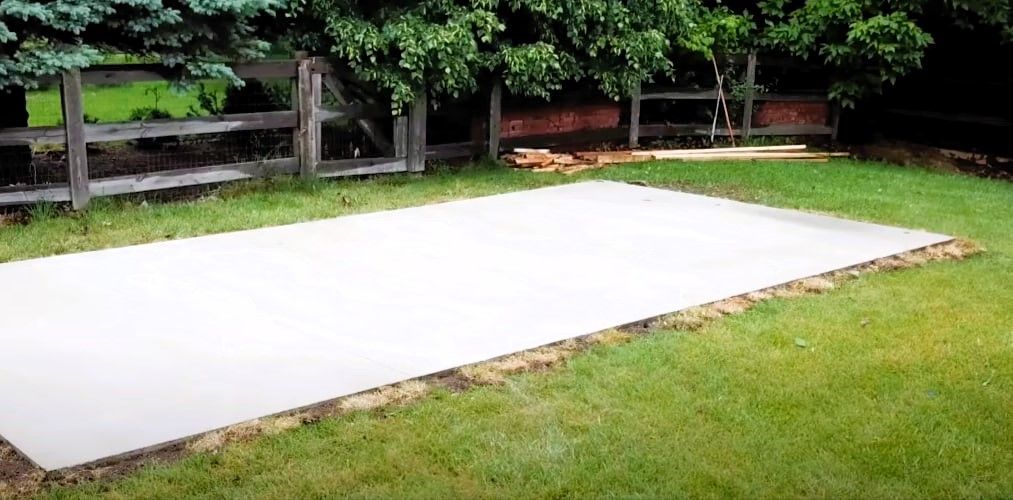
x,y
798,113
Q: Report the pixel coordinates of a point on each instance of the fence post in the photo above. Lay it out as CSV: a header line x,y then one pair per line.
x,y
635,117
298,55
417,133
401,137
747,105
495,118
309,141
835,121
77,151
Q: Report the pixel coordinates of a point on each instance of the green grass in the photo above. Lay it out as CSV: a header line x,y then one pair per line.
x,y
114,103
918,402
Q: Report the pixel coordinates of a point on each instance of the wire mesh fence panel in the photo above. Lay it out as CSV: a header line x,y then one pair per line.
x,y
345,139
32,165
342,140
158,101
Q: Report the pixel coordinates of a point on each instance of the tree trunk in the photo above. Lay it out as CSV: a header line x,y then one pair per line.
x,y
15,161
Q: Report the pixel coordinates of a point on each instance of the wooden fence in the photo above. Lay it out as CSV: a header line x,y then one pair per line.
x,y
310,77
637,130
405,151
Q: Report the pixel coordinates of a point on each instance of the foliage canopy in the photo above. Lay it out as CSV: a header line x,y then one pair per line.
x,y
39,38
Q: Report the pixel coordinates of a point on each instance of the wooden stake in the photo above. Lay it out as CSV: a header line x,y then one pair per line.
x,y
721,96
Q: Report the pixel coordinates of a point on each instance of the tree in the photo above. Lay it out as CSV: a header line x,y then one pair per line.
x,y
868,43
448,46
189,37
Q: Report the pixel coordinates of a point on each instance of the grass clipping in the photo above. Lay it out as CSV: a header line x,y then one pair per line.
x,y
18,478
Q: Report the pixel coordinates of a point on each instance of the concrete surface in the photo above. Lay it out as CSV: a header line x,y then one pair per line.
x,y
108,352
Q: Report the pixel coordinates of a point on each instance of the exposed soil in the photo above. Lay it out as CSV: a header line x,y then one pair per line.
x,y
947,160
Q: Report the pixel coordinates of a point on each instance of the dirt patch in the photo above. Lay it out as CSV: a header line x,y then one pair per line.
x,y
947,160
19,478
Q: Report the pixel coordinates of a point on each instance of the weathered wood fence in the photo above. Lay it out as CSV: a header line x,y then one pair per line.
x,y
636,130
310,77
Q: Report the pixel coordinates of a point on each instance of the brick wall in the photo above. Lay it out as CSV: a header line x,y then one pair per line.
x,y
559,119
799,113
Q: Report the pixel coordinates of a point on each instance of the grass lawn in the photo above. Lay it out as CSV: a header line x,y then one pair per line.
x,y
114,103
905,390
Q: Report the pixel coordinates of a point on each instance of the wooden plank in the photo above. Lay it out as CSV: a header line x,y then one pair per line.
x,y
813,159
635,117
309,145
747,104
743,154
791,97
688,94
567,138
793,129
706,151
189,126
495,118
285,68
361,166
77,150
701,129
32,136
417,133
107,74
192,176
453,150
27,195
371,128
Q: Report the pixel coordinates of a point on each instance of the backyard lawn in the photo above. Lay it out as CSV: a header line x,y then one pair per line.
x,y
114,103
904,387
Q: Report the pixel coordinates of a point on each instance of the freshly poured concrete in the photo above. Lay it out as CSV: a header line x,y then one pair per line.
x,y
109,352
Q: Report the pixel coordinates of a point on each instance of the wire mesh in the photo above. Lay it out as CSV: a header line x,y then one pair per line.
x,y
31,165
147,101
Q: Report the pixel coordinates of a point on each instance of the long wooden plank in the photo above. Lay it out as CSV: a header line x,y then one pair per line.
x,y
190,126
454,150
193,176
741,149
107,74
791,97
361,166
32,136
27,195
814,159
77,150
688,94
744,155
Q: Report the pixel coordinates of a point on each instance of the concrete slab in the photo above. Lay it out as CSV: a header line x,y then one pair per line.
x,y
109,352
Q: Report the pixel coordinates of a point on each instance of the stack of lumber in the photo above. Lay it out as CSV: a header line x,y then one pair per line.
x,y
543,160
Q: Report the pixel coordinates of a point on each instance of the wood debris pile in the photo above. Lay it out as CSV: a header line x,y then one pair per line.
x,y
544,160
